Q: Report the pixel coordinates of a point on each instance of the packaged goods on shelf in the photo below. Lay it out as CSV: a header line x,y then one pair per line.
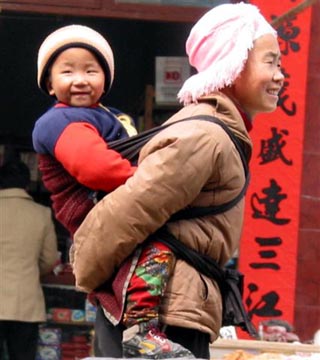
x,y
227,349
49,336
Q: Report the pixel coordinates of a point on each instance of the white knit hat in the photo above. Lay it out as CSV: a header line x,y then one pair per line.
x,y
75,36
218,47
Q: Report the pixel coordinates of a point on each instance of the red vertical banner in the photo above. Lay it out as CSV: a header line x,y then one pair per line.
x,y
268,250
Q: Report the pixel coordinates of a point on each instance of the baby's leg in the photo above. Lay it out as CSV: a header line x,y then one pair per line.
x,y
148,284
141,317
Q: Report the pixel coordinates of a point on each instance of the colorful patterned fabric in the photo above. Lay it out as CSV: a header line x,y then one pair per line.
x,y
148,283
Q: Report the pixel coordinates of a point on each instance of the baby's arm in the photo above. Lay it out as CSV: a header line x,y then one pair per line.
x,y
86,156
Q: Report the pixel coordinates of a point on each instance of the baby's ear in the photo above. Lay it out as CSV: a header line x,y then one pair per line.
x,y
49,87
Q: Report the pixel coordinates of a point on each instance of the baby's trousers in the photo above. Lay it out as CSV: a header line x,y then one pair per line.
x,y
147,284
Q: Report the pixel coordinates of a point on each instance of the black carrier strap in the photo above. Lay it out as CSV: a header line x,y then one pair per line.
x,y
229,281
130,148
199,211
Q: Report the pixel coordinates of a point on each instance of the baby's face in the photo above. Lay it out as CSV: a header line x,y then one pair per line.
x,y
257,88
76,78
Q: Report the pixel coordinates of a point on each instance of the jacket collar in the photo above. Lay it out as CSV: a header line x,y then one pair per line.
x,y
63,105
229,111
14,193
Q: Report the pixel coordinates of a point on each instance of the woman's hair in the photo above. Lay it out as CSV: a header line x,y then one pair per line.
x,y
14,174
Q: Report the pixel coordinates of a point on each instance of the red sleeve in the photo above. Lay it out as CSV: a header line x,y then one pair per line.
x,y
86,156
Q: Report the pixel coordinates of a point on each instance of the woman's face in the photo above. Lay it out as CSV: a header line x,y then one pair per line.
x,y
257,87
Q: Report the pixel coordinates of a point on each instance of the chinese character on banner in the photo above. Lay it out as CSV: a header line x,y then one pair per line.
x,y
268,248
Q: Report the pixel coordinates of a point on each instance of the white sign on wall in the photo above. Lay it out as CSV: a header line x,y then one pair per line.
x,y
171,73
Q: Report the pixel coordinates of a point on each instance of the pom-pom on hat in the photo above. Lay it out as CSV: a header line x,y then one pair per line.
x,y
74,36
218,47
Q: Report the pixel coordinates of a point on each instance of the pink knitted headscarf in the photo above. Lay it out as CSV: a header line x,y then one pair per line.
x,y
218,47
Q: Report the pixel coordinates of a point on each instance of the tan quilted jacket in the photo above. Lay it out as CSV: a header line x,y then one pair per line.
x,y
192,163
